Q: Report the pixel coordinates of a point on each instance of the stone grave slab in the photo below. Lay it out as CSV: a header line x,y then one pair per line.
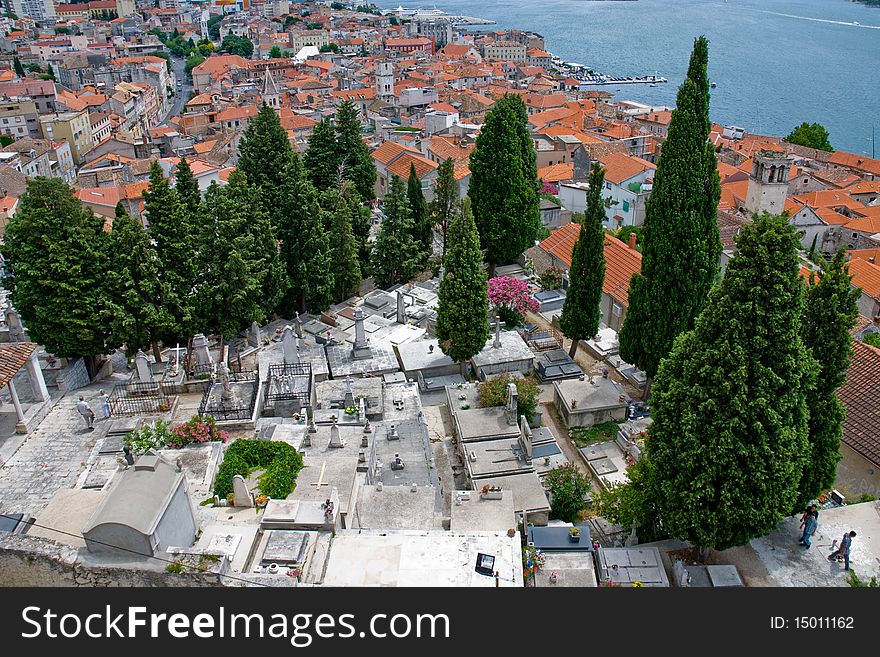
x,y
285,547
101,471
593,452
726,575
540,451
394,377
570,369
112,444
123,425
603,466
280,514
226,543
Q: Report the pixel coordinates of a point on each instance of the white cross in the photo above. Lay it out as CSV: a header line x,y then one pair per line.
x,y
321,482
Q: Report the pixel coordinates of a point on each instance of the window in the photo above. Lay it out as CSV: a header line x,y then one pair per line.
x,y
608,185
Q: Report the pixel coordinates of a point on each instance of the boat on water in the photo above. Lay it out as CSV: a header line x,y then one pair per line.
x,y
712,84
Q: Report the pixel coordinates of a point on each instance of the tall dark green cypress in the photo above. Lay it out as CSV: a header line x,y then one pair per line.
x,y
344,203
19,69
581,312
305,248
729,435
353,154
463,313
445,204
396,256
263,155
187,188
320,159
681,243
503,187
830,313
422,229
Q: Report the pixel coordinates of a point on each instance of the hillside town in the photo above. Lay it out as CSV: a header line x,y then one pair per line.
x,y
318,294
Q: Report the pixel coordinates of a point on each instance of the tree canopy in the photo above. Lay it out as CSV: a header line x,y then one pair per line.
x,y
396,256
812,135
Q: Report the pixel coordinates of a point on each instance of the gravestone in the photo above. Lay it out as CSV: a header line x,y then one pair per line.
x,y
401,308
13,322
254,337
335,438
497,342
510,410
349,395
361,349
201,355
299,325
241,496
288,346
142,365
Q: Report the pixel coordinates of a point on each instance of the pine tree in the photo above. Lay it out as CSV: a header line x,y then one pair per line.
x,y
242,276
580,312
830,313
187,188
463,314
320,159
264,153
138,299
681,242
423,232
395,257
352,152
19,69
344,203
503,187
176,238
729,411
445,204
305,248
56,260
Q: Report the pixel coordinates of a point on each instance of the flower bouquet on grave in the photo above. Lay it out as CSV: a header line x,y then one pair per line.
x,y
351,410
574,534
261,501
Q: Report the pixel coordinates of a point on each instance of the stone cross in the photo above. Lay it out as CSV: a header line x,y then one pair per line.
x,y
299,325
401,308
362,410
288,346
142,364
241,496
318,484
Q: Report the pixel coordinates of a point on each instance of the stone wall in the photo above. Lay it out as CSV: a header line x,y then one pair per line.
x,y
74,376
34,561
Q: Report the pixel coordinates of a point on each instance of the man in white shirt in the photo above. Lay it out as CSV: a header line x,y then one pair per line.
x,y
83,408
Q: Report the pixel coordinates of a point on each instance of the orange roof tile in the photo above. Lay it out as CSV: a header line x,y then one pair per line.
x,y
556,172
401,166
857,162
869,224
620,167
12,358
865,275
859,394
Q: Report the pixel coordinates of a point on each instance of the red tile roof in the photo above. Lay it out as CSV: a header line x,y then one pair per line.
x,y
865,275
621,262
12,358
859,395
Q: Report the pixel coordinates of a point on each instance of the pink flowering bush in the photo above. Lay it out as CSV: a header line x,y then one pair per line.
x,y
196,430
513,293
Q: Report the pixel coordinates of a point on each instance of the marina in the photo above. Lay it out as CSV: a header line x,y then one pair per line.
x,y
589,78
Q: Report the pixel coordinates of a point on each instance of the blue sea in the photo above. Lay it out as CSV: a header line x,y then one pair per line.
x,y
776,63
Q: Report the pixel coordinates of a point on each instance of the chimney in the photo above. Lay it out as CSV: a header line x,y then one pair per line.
x,y
632,241
871,260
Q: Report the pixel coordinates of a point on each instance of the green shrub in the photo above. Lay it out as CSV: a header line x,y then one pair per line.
x,y
494,393
151,436
281,462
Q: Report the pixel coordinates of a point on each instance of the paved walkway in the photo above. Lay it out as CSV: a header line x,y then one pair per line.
x,y
52,456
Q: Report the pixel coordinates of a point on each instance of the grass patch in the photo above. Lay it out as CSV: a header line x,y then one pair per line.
x,y
583,436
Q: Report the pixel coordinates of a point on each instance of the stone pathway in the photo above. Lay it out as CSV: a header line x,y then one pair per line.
x,y
53,456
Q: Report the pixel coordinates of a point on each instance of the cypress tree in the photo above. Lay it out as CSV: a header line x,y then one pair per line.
x,y
305,248
56,260
395,257
50,72
242,276
681,241
830,313
445,204
320,159
187,188
463,313
422,229
503,187
138,299
580,312
19,69
344,204
176,239
729,411
264,153
352,153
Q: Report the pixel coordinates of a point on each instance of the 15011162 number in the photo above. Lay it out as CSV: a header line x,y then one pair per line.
x,y
823,622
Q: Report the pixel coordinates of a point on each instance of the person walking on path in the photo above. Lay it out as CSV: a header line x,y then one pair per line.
x,y
105,405
83,408
843,550
810,524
